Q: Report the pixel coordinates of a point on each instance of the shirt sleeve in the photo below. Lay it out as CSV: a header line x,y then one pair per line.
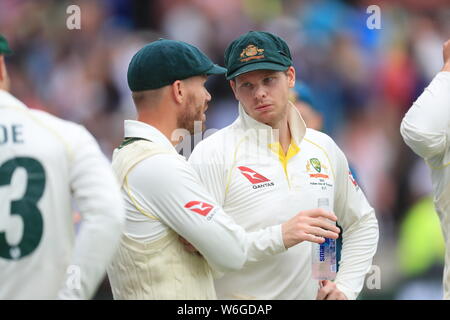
x,y
426,126
169,188
211,169
360,230
99,201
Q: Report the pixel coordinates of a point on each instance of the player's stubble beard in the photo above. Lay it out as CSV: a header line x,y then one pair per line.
x,y
194,112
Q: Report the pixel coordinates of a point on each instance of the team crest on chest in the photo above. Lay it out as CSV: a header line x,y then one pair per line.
x,y
314,169
318,173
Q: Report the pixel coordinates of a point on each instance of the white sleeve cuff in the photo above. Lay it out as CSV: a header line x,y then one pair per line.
x,y
350,294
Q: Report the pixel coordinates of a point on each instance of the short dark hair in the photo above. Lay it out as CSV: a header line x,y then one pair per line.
x,y
152,96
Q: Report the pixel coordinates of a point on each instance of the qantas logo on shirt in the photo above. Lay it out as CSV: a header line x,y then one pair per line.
x,y
255,178
252,176
199,207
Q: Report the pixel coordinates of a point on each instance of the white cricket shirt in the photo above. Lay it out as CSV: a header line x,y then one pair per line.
x,y
258,185
426,130
45,163
164,192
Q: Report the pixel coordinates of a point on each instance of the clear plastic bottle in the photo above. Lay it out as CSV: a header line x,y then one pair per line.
x,y
324,255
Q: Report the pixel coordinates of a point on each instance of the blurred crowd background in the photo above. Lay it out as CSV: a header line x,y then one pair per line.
x,y
363,81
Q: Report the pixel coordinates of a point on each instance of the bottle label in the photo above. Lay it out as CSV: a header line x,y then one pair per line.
x,y
327,251
322,253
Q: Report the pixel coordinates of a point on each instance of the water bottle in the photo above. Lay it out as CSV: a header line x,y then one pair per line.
x,y
324,255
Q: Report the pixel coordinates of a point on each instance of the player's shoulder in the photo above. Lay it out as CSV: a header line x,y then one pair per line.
x,y
324,142
64,129
54,122
319,138
163,169
215,142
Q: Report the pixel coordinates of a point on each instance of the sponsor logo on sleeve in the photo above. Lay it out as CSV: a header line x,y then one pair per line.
x,y
353,180
199,207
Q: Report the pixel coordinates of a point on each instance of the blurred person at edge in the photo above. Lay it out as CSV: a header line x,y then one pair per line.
x,y
45,163
425,128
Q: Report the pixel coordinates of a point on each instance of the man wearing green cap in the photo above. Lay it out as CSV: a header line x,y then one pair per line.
x,y
164,196
45,164
267,166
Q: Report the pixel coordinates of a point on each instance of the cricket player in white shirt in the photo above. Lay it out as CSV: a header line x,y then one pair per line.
x,y
45,163
267,166
426,130
165,199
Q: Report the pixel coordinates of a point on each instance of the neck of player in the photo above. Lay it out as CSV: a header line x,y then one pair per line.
x,y
284,133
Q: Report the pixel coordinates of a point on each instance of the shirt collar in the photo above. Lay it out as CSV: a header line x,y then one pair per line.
x,y
297,125
138,129
8,100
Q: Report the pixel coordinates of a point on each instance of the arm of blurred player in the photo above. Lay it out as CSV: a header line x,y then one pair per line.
x,y
98,197
426,126
176,196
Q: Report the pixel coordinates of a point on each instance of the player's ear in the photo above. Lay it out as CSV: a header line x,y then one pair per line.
x,y
233,87
2,68
178,91
4,80
290,73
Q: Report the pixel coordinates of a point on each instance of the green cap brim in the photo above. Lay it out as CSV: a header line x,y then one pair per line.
x,y
5,51
257,66
4,47
216,69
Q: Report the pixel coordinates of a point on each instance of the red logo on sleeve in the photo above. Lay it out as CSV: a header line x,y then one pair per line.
x,y
252,176
353,180
199,207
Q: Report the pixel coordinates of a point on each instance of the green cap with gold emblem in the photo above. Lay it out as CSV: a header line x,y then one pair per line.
x,y
162,62
256,50
4,47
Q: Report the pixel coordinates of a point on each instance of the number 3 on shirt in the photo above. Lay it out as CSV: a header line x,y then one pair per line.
x,y
25,207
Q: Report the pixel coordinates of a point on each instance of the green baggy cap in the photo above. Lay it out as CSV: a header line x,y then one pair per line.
x,y
256,50
162,62
4,47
